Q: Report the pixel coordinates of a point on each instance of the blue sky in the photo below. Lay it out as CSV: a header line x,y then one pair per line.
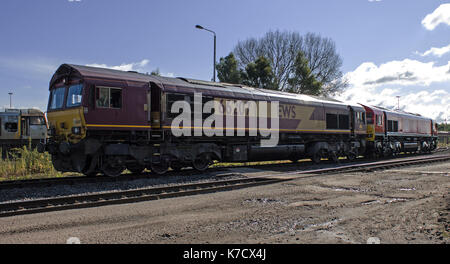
x,y
379,42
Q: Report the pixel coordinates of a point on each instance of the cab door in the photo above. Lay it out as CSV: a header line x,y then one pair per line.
x,y
38,127
24,127
352,121
154,99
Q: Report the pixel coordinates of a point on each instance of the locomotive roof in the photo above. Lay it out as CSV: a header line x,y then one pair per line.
x,y
185,85
26,112
399,112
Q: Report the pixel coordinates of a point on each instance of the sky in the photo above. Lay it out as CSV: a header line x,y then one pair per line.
x,y
389,47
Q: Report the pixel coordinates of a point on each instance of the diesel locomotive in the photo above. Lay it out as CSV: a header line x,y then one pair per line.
x,y
106,121
19,127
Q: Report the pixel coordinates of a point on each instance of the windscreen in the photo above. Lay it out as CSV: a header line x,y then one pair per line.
x,y
37,120
74,95
57,98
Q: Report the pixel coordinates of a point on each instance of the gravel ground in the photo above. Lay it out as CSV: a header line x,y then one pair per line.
x,y
23,194
403,205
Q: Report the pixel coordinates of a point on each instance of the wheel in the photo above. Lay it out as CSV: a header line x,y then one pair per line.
x,y
160,168
352,155
334,157
136,168
201,162
316,157
112,169
176,166
387,153
90,174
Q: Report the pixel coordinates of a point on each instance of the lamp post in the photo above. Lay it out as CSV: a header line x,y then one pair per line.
x,y
214,62
10,99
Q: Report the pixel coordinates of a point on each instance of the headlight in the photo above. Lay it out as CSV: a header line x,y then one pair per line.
x,y
76,130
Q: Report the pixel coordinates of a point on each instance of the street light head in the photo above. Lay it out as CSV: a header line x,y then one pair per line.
x,y
198,26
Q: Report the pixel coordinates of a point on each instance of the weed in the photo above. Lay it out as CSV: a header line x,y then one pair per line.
x,y
26,162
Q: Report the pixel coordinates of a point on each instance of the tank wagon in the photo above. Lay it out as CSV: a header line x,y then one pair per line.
x,y
19,127
104,120
392,132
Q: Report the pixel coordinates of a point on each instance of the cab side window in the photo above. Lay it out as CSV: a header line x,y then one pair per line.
x,y
392,126
174,97
361,117
11,127
108,97
379,120
115,98
37,120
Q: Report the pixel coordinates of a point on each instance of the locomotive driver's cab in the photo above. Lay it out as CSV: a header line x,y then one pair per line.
x,y
65,110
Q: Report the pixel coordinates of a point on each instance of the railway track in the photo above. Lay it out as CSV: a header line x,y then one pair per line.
x,y
130,196
72,180
155,193
379,165
388,165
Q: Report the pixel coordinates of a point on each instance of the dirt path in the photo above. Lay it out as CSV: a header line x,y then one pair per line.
x,y
408,205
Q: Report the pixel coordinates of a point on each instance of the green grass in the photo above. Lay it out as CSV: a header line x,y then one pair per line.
x,y
27,163
443,145
252,163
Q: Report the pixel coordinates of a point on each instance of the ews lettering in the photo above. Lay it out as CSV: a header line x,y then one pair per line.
x,y
287,111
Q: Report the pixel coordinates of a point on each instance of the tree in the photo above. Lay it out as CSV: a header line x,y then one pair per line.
x,y
282,48
443,127
259,74
156,72
227,70
303,81
324,63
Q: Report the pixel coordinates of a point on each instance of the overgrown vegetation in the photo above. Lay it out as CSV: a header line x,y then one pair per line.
x,y
24,163
444,127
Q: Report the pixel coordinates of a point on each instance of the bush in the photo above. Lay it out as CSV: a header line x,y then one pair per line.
x,y
26,162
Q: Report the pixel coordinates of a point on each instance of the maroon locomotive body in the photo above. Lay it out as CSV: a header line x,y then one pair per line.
x,y
104,120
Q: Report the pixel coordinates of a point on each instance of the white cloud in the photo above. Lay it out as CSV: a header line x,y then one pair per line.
x,y
374,0
379,85
405,72
134,66
140,67
433,104
169,74
435,51
440,15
